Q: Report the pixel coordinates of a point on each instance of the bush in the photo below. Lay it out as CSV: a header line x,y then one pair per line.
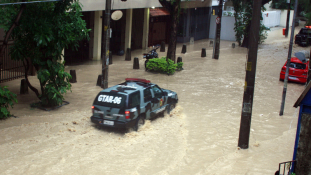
x,y
55,83
6,99
163,66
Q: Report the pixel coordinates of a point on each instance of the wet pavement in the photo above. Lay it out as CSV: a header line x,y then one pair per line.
x,y
199,138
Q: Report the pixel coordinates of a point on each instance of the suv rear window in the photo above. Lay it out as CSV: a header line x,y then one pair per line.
x,y
110,100
297,65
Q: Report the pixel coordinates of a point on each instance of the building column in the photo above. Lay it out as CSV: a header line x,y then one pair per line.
x,y
98,25
146,29
128,28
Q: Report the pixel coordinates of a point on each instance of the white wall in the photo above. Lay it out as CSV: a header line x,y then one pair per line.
x,y
227,28
271,18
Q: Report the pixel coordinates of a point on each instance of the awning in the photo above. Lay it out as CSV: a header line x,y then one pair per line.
x,y
159,12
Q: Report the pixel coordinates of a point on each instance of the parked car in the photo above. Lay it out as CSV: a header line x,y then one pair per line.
x,y
298,71
128,104
303,38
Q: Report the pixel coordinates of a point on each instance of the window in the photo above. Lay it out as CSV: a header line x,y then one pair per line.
x,y
134,100
147,95
157,92
297,65
110,100
306,31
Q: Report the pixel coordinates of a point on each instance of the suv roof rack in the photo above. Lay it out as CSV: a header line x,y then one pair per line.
x,y
137,80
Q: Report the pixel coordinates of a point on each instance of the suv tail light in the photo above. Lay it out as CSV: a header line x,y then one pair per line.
x,y
92,109
127,114
283,69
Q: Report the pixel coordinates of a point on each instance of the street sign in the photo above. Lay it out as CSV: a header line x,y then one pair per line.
x,y
217,20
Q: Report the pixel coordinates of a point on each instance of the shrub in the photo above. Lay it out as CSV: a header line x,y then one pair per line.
x,y
163,66
6,99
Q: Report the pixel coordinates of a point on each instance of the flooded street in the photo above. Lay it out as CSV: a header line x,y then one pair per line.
x,y
200,137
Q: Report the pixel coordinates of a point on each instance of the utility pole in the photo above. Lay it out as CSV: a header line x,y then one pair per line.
x,y
218,29
287,20
105,48
288,60
248,96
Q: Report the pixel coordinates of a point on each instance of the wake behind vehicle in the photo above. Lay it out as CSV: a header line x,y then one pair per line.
x,y
128,104
298,71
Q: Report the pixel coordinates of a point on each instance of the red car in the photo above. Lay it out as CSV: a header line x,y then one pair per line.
x,y
298,71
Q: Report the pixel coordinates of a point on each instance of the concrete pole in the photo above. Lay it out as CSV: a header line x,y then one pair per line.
x,y
247,105
287,20
106,34
218,29
288,60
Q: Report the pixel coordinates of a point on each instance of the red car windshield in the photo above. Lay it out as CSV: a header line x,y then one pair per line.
x,y
297,65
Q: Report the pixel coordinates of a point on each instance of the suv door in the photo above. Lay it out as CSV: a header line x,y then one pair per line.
x,y
157,101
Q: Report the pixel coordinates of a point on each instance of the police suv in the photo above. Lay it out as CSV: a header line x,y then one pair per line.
x,y
303,38
128,104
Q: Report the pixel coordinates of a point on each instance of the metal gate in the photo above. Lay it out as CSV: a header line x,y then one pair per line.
x,y
10,69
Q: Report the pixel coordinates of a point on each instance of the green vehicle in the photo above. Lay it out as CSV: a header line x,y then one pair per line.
x,y
129,104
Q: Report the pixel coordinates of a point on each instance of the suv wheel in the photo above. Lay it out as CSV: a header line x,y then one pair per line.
x,y
170,107
140,122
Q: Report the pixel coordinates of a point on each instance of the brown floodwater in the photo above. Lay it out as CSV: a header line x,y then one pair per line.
x,y
200,137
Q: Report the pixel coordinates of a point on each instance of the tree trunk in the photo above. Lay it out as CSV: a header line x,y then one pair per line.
x,y
173,8
8,33
26,65
246,37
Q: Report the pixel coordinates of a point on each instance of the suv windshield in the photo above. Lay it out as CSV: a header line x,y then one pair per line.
x,y
110,100
306,31
297,65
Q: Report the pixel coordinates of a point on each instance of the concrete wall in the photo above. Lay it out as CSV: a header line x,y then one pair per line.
x,y
96,5
284,17
227,28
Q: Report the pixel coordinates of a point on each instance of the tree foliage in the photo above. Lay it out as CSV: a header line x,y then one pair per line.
x,y
306,7
44,30
7,100
282,4
243,19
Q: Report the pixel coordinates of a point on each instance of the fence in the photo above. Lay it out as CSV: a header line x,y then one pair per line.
x,y
10,69
285,168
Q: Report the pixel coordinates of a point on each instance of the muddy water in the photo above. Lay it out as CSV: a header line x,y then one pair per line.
x,y
200,137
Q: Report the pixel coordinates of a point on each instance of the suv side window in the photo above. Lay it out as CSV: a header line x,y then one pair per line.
x,y
147,95
157,92
134,100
